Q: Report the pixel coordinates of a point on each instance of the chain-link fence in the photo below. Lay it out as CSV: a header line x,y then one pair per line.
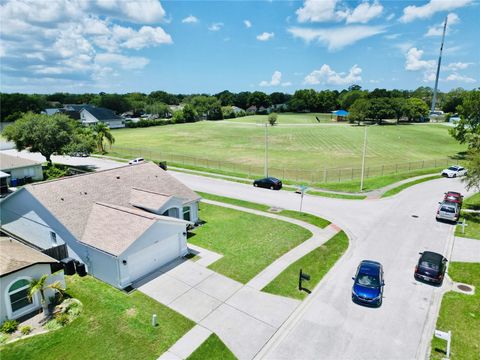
x,y
323,175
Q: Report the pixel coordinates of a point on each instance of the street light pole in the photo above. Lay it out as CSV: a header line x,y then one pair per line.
x,y
266,149
363,158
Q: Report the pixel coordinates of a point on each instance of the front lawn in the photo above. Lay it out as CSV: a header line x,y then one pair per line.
x,y
248,242
113,325
212,349
472,230
316,264
460,314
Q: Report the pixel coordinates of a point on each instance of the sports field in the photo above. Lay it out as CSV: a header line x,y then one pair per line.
x,y
288,118
311,147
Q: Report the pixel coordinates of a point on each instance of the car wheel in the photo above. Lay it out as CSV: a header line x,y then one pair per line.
x,y
271,187
454,175
256,185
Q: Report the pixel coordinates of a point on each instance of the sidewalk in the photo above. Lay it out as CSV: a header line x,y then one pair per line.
x,y
466,250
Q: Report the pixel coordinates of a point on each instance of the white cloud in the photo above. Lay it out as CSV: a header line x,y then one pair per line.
x,y
390,17
325,75
458,66
140,11
364,12
414,62
248,23
437,30
336,38
286,83
317,11
190,20
215,26
460,78
392,36
125,62
265,36
145,37
412,12
275,81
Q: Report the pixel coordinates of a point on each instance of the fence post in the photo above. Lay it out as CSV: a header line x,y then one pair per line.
x,y
409,164
324,175
382,170
368,170
283,174
435,163
423,164
352,175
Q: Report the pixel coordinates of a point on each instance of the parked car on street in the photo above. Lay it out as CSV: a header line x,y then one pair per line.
x,y
449,211
453,196
431,268
454,171
268,183
136,161
80,154
368,284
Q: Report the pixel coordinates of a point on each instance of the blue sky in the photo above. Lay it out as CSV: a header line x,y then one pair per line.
x,y
209,46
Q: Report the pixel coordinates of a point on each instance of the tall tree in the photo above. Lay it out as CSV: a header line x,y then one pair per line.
x,y
42,133
360,110
40,286
416,109
102,133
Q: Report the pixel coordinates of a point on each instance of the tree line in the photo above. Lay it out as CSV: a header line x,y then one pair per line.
x,y
378,103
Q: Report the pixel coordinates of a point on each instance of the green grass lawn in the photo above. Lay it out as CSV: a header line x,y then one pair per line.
x,y
472,230
309,218
311,148
316,264
287,118
460,314
249,243
212,349
113,325
397,189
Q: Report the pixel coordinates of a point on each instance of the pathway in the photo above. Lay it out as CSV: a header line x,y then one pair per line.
x,y
241,315
466,250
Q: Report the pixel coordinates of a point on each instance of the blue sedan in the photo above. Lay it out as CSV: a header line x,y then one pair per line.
x,y
368,284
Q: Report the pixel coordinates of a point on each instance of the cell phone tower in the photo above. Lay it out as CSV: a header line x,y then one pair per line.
x,y
434,100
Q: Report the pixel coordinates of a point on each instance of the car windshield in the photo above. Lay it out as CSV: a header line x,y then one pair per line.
x,y
429,265
453,168
448,209
368,280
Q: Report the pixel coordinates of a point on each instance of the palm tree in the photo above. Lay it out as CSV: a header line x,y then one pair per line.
x,y
39,285
102,132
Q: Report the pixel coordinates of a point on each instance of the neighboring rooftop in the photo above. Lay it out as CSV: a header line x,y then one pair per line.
x,y
81,194
15,256
8,162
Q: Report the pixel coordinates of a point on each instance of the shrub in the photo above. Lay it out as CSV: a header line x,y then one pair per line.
x,y
52,325
3,338
25,330
54,172
9,326
62,318
272,118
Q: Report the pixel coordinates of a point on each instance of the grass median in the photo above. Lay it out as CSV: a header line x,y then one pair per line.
x,y
212,349
402,187
316,264
472,230
460,314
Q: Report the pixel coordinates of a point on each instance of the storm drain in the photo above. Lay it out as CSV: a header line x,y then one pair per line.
x,y
275,209
466,289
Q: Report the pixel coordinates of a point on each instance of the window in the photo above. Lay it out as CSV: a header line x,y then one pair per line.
x,y
18,294
186,213
53,238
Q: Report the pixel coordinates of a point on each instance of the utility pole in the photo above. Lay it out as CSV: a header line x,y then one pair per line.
x,y
434,99
363,157
266,149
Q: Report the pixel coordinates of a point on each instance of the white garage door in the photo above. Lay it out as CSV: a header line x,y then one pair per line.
x,y
153,257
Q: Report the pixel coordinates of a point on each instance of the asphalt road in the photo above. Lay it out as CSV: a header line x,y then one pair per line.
x,y
392,231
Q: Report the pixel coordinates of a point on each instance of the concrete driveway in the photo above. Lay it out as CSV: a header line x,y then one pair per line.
x,y
328,325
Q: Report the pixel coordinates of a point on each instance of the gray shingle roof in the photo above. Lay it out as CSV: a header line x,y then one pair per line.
x,y
72,199
15,256
8,162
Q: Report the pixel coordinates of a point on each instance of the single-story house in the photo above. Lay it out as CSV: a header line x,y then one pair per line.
x,y
21,170
19,264
52,111
91,115
252,109
122,223
4,183
341,115
237,110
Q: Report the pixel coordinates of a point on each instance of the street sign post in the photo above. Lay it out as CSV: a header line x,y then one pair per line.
x,y
303,188
447,336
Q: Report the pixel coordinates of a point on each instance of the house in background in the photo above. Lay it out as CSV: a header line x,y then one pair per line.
x,y
21,170
251,109
90,115
19,264
122,223
237,110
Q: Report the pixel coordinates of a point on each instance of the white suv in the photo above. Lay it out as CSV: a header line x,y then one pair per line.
x,y
454,171
136,161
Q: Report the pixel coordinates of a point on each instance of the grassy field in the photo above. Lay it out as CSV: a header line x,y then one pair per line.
x,y
472,230
397,189
249,243
287,118
460,314
316,264
311,148
113,325
212,349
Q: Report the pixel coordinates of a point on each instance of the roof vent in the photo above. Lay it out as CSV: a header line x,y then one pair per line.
x,y
118,177
85,193
61,199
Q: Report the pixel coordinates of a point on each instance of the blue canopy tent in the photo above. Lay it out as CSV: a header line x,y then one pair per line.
x,y
340,114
